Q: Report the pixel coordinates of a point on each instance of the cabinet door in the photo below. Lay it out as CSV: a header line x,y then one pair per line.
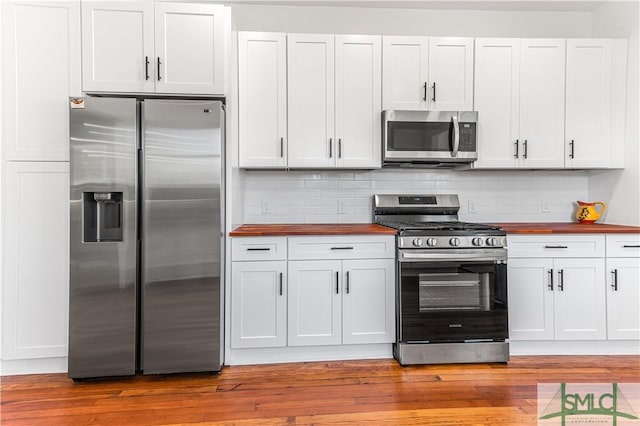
x,y
623,299
530,299
310,65
42,69
542,69
262,87
405,73
579,302
258,304
189,46
588,109
451,74
497,97
122,60
36,260
358,101
368,310
315,303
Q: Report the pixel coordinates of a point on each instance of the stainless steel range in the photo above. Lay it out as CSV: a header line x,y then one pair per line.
x,y
451,282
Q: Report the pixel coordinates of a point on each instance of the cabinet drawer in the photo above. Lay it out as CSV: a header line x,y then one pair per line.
x,y
342,247
258,248
556,246
623,245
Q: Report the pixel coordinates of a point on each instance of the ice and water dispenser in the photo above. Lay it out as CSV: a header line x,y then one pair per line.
x,y
102,216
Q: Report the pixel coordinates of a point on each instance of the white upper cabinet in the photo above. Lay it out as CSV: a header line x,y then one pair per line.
x,y
422,73
262,86
405,73
189,43
310,66
451,73
588,109
542,70
161,47
358,101
497,100
41,70
122,60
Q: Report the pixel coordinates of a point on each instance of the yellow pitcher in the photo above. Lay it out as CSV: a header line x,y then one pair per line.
x,y
587,212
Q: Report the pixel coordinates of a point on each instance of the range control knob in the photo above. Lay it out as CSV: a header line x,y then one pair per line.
x,y
491,241
417,242
454,242
476,241
431,242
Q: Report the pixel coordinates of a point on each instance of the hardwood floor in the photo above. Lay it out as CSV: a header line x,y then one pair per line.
x,y
376,392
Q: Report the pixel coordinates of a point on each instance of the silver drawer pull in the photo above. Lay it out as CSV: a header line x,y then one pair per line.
x,y
341,248
631,246
259,249
556,247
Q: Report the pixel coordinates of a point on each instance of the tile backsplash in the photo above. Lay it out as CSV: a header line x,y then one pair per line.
x,y
346,196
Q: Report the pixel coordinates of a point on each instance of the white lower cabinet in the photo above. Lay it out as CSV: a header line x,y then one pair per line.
x,y
36,260
322,291
623,286
259,304
333,302
557,295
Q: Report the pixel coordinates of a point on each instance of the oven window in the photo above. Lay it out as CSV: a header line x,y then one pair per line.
x,y
418,136
459,291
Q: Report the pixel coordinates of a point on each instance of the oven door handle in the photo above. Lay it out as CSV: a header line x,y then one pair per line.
x,y
452,256
456,136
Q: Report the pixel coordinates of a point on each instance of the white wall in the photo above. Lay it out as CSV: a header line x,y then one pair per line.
x,y
621,188
332,196
350,20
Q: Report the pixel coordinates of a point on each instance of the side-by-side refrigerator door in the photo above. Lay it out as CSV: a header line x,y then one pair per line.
x,y
181,235
103,233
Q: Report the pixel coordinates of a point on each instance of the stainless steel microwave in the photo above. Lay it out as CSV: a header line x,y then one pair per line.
x,y
429,138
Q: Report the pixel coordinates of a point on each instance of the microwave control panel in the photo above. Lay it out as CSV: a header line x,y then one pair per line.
x,y
467,137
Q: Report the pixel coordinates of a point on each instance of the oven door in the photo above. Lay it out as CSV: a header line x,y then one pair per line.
x,y
429,136
452,295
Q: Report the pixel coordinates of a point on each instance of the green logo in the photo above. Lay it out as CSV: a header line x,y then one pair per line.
x,y
586,402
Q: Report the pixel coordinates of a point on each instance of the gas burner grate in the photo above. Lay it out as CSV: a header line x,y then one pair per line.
x,y
438,226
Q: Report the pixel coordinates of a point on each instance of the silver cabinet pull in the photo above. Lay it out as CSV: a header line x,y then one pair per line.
x,y
424,98
631,246
341,248
434,92
339,148
614,285
281,147
337,282
146,68
556,247
524,145
159,68
280,283
550,285
517,144
347,282
258,249
330,147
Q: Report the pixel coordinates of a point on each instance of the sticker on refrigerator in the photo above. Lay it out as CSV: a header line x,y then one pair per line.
x,y
76,103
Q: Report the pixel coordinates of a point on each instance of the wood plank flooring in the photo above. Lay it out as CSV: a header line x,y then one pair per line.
x,y
378,392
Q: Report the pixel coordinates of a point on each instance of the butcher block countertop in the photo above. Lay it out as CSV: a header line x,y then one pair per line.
x,y
567,228
310,229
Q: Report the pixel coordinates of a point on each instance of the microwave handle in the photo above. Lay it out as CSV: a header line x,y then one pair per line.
x,y
456,136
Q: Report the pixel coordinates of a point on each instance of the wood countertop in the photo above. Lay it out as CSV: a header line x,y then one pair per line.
x,y
567,228
257,230
310,229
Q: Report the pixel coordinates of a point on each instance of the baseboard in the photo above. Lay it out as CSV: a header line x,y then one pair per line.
x,y
33,366
595,347
307,354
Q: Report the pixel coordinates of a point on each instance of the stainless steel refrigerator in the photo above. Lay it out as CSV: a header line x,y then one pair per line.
x,y
146,212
